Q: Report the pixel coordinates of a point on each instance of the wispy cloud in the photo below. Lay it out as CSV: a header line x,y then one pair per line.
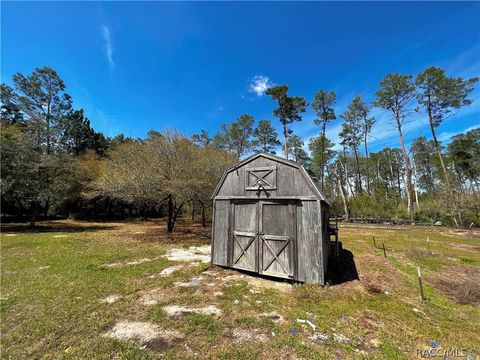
x,y
259,84
108,46
446,136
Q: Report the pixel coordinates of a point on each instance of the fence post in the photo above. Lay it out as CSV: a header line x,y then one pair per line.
x,y
422,295
384,251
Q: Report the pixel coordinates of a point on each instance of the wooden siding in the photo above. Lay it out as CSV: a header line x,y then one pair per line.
x,y
325,236
290,181
220,232
309,244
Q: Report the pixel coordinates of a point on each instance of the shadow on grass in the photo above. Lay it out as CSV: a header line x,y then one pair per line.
x,y
341,269
53,227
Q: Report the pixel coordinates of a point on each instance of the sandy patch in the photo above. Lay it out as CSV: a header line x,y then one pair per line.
x,y
319,338
150,335
340,338
110,299
194,282
210,273
178,311
133,262
193,253
151,297
258,283
465,246
457,232
167,271
60,236
233,277
276,318
241,335
10,235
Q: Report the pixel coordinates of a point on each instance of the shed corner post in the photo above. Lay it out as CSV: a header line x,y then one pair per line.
x,y
212,237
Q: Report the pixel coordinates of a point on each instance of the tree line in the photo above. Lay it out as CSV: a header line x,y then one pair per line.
x,y
55,163
424,181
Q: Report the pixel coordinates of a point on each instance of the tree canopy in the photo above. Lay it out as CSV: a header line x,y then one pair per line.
x,y
55,163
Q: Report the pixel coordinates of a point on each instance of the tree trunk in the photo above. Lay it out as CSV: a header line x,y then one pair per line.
x,y
323,153
285,141
368,170
344,200
359,176
437,148
109,209
408,170
45,209
170,214
145,210
349,186
415,186
193,211
450,190
48,133
203,213
33,216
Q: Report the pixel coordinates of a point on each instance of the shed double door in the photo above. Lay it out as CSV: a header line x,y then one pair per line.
x,y
262,237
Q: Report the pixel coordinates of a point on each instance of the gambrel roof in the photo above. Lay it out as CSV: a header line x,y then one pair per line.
x,y
313,184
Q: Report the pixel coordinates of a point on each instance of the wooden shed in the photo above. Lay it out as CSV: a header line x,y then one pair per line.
x,y
270,218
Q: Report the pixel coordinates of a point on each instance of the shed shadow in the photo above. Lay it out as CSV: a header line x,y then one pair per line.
x,y
341,269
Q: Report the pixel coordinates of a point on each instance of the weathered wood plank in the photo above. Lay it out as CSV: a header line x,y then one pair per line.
x,y
309,243
220,232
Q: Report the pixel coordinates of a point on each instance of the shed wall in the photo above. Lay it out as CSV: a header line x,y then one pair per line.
x,y
220,232
309,244
325,238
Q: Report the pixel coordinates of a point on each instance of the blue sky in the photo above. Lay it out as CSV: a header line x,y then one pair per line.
x,y
193,65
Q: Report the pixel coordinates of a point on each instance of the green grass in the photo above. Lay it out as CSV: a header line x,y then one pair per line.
x,y
52,281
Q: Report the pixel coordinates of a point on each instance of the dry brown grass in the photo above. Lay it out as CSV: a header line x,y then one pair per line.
x,y
460,283
377,274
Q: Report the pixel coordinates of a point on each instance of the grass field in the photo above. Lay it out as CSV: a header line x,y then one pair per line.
x,y
67,285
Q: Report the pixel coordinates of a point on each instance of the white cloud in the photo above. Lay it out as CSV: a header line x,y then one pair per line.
x,y
108,46
259,84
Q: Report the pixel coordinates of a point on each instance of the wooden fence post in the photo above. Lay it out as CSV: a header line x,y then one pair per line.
x,y
422,295
374,243
384,251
